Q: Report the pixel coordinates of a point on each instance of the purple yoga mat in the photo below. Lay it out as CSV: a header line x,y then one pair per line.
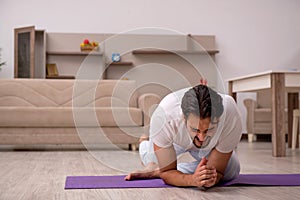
x,y
264,180
106,182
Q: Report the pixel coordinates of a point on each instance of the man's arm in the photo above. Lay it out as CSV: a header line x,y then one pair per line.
x,y
204,174
207,174
219,161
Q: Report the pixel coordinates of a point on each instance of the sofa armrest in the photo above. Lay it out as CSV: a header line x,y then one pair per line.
x,y
250,105
148,102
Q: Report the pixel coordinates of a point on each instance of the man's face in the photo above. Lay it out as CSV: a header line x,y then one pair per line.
x,y
200,130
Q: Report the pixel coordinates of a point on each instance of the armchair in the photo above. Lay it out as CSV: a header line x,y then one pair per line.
x,y
259,115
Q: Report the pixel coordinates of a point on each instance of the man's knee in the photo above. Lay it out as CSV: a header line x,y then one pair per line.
x,y
146,151
187,167
233,168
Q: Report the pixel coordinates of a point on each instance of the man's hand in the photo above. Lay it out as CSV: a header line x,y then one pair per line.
x,y
150,171
204,176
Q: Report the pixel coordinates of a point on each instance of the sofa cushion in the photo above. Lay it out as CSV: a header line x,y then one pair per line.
x,y
265,114
68,117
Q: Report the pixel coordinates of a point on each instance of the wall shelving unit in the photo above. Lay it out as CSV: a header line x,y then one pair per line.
x,y
190,56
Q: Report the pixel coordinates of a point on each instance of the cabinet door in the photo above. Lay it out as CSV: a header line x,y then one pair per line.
x,y
24,52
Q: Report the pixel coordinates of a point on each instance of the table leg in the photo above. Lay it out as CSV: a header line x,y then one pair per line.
x,y
230,92
293,103
278,118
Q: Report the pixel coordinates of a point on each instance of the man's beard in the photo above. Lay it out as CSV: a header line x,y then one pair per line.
x,y
195,140
203,144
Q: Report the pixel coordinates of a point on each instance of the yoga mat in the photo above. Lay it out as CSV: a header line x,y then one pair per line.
x,y
264,180
106,182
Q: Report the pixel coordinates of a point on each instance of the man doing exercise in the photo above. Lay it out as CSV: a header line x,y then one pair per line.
x,y
197,120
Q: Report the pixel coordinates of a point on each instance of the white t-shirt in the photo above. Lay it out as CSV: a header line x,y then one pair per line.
x,y
168,127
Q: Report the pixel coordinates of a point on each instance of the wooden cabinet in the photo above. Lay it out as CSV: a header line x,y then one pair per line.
x,y
115,70
168,61
173,61
29,55
73,62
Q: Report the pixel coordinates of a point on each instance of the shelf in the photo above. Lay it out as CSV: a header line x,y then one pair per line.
x,y
211,52
120,63
73,53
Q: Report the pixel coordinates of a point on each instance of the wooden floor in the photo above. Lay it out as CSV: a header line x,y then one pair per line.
x,y
41,175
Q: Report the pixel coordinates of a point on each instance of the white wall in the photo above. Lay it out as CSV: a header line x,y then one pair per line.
x,y
252,36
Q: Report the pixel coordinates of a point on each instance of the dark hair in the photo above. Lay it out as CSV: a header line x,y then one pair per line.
x,y
203,102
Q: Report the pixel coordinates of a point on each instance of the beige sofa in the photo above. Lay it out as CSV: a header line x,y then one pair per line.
x,y
73,112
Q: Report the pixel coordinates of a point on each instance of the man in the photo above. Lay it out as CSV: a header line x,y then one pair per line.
x,y
199,121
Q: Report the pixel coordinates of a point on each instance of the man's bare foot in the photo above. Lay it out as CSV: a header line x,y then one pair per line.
x,y
143,138
149,172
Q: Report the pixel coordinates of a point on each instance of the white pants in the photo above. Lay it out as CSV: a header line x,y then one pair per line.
x,y
147,155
